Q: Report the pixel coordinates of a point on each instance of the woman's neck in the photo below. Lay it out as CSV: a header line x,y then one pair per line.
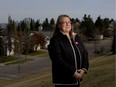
x,y
66,33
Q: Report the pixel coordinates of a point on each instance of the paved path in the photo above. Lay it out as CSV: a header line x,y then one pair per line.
x,y
12,71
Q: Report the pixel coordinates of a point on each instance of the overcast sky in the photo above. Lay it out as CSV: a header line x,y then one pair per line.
x,y
41,9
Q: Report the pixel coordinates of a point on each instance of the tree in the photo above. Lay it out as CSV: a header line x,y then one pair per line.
x,y
77,20
32,25
37,25
52,24
16,41
99,24
20,34
75,24
10,28
40,39
23,26
1,43
87,24
36,39
106,23
26,35
46,25
73,21
26,41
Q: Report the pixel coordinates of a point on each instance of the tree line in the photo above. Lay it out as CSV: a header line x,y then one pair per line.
x,y
21,32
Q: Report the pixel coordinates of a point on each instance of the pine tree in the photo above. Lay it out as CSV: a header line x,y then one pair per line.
x,y
9,27
52,24
37,25
87,24
1,44
45,25
32,25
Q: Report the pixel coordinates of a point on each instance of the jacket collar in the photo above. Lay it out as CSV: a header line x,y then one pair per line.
x,y
63,33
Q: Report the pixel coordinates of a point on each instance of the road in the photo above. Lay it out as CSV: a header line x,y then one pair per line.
x,y
12,71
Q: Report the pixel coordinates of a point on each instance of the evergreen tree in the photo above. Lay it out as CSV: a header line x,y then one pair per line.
x,y
32,25
52,24
106,23
75,25
37,25
10,28
77,20
1,43
73,21
87,24
99,24
22,26
46,25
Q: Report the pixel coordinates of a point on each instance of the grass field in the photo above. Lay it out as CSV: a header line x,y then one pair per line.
x,y
101,74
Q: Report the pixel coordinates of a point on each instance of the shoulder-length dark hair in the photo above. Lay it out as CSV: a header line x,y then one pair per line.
x,y
57,29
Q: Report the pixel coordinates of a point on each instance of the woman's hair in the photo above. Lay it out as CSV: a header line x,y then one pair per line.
x,y
57,29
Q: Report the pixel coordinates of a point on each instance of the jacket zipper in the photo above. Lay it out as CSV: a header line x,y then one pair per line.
x,y
79,55
77,49
74,55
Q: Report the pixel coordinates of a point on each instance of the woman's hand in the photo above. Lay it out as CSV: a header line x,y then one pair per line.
x,y
81,71
79,74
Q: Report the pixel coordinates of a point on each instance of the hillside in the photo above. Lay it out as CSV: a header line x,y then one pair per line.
x,y
101,72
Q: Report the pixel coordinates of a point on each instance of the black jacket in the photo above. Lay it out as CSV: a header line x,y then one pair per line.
x,y
64,63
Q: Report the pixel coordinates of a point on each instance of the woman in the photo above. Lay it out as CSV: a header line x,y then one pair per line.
x,y
69,57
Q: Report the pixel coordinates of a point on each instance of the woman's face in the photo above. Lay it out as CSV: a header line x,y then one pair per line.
x,y
65,24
